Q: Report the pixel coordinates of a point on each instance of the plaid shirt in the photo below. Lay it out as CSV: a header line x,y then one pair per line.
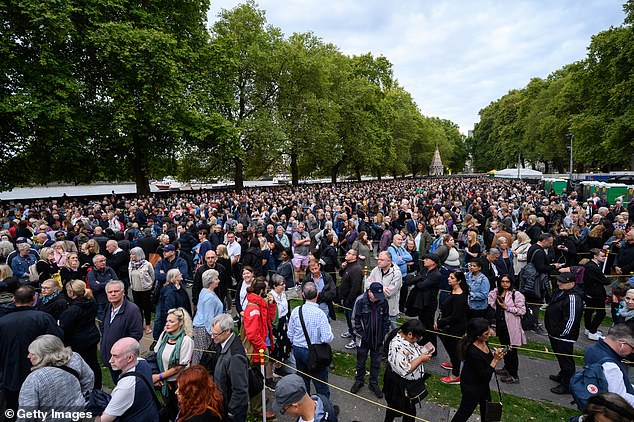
x,y
317,326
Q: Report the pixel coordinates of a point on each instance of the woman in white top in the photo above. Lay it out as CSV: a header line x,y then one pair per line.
x,y
405,357
174,350
520,248
282,348
141,282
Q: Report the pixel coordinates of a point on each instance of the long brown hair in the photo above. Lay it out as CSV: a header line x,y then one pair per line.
x,y
197,393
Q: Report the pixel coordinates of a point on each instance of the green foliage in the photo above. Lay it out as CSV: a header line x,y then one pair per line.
x,y
118,90
593,99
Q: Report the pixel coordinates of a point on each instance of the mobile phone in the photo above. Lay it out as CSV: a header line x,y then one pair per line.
x,y
506,349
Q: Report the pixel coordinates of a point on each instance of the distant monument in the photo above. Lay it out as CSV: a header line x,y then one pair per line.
x,y
436,168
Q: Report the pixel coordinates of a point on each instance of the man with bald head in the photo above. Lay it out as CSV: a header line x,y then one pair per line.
x,y
211,263
131,398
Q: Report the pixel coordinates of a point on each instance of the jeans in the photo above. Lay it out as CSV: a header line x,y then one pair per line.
x,y
301,355
375,364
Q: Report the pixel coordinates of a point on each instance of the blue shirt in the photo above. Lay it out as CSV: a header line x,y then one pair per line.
x,y
402,261
209,305
316,322
478,291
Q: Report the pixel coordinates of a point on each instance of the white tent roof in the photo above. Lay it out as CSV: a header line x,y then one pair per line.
x,y
524,174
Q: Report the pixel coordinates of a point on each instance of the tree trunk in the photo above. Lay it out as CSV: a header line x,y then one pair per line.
x,y
358,174
142,184
238,178
333,173
378,175
294,169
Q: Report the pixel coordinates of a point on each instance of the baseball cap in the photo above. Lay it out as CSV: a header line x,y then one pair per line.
x,y
566,278
288,390
434,257
169,247
377,290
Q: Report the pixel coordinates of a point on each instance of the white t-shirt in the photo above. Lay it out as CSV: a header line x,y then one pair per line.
x,y
187,348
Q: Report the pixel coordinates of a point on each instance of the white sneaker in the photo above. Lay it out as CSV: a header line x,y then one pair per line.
x,y
351,345
594,337
346,334
586,332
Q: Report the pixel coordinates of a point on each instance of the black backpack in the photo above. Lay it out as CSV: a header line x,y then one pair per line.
x,y
331,412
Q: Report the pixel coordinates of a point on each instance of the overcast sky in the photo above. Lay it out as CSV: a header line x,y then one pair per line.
x,y
454,56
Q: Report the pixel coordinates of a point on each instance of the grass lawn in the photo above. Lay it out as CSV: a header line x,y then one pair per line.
x,y
515,408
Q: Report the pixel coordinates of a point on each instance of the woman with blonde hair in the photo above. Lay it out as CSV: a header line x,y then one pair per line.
x,y
174,350
472,249
78,324
520,248
61,254
52,300
89,250
46,267
73,269
173,295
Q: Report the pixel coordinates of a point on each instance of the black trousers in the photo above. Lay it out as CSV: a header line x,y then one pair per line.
x,y
472,397
566,363
511,360
143,299
451,346
89,355
590,323
391,414
427,316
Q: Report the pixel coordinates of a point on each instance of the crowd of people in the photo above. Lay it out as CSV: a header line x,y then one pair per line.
x,y
460,259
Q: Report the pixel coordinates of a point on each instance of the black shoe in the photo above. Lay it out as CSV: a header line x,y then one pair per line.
x,y
356,387
556,378
560,389
270,384
376,390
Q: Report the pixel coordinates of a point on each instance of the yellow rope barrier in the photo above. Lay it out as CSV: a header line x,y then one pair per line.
x,y
346,391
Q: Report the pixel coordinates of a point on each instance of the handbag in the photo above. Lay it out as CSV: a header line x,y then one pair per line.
x,y
494,410
416,391
256,381
97,400
320,354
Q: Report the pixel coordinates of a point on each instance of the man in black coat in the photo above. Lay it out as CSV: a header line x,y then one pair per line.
x,y
428,284
211,263
350,288
624,262
230,372
18,329
371,324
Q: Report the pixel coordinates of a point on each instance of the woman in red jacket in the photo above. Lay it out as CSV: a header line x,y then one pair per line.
x,y
258,331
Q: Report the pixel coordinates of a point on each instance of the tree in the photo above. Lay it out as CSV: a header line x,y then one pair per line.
x,y
251,51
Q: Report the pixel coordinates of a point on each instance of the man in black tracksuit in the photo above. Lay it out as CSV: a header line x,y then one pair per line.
x,y
562,320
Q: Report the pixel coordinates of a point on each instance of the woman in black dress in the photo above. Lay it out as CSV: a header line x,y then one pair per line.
x,y
478,367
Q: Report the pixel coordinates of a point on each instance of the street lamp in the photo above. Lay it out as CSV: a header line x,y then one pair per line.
x,y
570,137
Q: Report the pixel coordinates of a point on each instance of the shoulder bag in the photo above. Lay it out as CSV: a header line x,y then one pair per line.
x,y
494,410
97,400
320,354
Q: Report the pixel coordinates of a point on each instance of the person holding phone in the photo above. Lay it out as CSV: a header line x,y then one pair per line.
x,y
479,363
509,305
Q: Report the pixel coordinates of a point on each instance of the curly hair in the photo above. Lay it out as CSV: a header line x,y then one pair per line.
x,y
197,393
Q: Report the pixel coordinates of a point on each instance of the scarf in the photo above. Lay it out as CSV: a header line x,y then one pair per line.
x,y
624,312
175,357
46,299
135,265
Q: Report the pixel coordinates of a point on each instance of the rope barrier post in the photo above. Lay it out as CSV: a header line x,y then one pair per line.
x,y
263,389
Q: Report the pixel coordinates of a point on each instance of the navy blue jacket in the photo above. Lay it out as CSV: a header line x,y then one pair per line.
x,y
126,323
371,321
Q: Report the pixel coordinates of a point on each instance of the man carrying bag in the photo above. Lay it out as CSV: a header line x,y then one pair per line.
x,y
310,333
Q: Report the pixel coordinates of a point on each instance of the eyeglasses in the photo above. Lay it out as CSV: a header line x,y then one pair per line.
x,y
285,408
218,334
